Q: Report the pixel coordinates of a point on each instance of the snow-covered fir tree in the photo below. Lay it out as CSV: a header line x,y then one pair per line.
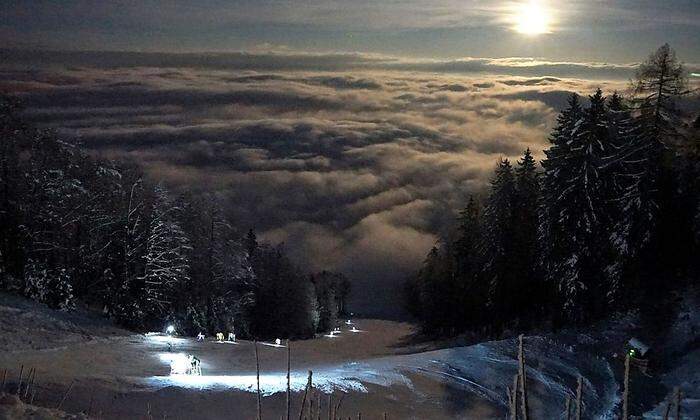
x,y
578,214
499,213
555,172
525,241
52,287
125,301
166,264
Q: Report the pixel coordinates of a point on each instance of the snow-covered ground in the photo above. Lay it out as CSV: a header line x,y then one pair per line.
x,y
480,373
120,375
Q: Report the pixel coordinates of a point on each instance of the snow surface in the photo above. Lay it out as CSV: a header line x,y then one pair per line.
x,y
482,371
378,370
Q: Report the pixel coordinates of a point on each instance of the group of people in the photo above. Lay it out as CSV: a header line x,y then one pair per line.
x,y
219,337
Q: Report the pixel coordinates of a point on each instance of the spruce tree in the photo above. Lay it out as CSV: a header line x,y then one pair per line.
x,y
578,213
470,293
525,242
166,263
553,186
498,244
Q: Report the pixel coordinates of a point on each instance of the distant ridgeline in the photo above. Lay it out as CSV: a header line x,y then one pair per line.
x,y
612,222
78,229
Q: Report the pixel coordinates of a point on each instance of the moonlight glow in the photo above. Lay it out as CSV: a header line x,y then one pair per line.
x,y
532,18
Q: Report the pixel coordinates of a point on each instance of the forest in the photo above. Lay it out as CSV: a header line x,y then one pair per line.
x,y
79,230
611,223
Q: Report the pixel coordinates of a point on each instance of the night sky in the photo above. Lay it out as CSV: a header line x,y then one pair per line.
x,y
352,131
598,30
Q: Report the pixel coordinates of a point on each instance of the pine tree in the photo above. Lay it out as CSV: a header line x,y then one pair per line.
x,y
618,169
553,181
499,213
125,298
466,245
166,266
525,242
470,295
433,294
52,287
578,215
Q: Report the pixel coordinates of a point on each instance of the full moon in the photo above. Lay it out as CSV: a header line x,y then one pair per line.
x,y
532,19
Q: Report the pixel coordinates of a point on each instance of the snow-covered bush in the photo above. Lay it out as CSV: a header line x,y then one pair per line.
x,y
52,287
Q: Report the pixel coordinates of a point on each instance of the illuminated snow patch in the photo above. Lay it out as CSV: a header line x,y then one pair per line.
x,y
181,363
165,339
269,383
481,371
272,345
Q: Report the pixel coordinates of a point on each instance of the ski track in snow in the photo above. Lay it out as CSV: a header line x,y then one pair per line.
x,y
482,370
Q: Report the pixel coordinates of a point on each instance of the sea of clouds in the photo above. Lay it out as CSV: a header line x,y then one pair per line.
x,y
356,162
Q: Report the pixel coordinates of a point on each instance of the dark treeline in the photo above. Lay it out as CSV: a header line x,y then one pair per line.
x,y
611,222
76,229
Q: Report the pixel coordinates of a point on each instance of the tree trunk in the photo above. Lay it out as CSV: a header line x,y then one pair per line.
x,y
579,398
257,377
523,378
626,393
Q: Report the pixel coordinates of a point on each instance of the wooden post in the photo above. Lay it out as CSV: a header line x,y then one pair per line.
x,y
89,410
330,406
30,382
257,375
311,407
4,376
337,407
568,408
579,398
626,392
289,386
667,411
523,378
678,403
21,371
509,394
514,398
318,408
60,404
306,391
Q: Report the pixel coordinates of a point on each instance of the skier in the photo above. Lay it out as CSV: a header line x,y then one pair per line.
x,y
200,336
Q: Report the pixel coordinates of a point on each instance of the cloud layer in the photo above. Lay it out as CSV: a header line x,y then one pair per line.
x,y
355,170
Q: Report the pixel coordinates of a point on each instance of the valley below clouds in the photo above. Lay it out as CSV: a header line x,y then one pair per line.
x,y
354,167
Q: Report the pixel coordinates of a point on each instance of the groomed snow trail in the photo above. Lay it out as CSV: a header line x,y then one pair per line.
x,y
479,372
